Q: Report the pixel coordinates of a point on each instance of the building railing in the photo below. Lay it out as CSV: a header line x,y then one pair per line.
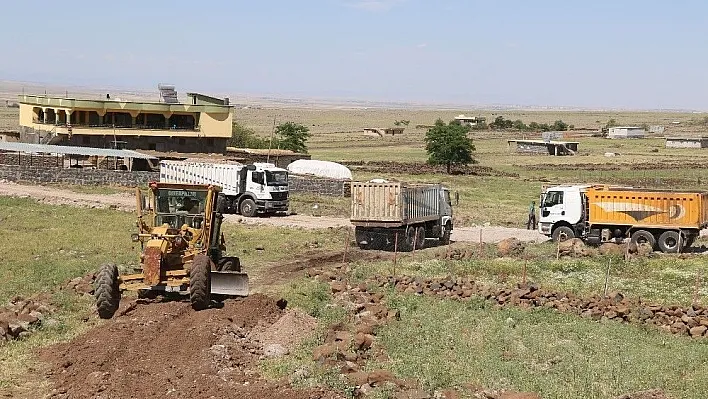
x,y
111,126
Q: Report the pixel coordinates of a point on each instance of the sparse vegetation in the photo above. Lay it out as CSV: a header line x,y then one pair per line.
x,y
244,137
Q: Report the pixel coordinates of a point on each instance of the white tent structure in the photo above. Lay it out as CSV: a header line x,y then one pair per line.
x,y
317,168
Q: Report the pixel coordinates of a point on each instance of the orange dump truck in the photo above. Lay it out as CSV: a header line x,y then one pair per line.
x,y
667,220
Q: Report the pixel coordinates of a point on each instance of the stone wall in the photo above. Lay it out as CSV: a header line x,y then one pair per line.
x,y
96,177
321,186
44,161
78,176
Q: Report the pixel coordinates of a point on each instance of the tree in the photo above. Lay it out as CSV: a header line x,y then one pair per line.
x,y
449,145
520,125
293,136
559,126
245,137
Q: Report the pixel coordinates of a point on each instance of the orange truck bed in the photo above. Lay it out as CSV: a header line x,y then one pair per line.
x,y
650,208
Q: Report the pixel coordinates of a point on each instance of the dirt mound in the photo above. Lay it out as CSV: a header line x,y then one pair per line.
x,y
21,316
419,168
574,247
651,394
166,348
510,247
285,334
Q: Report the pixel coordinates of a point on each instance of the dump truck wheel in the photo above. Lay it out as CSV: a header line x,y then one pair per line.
x,y
563,233
199,282
229,264
248,208
420,237
669,242
107,292
643,237
447,232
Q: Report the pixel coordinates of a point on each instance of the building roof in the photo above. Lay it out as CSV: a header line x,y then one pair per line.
x,y
625,127
142,106
69,150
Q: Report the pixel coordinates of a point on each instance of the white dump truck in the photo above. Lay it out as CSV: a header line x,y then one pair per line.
x,y
259,188
389,214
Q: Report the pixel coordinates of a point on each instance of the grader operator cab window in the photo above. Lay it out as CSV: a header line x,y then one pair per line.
x,y
179,207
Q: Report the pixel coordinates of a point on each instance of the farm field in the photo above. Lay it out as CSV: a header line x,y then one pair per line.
x,y
447,321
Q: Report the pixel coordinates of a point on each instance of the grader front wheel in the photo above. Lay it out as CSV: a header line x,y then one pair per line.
x,y
107,292
200,282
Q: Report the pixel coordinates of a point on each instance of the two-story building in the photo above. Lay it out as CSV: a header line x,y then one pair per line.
x,y
202,125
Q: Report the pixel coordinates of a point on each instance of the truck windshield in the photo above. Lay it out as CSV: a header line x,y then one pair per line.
x,y
553,198
277,178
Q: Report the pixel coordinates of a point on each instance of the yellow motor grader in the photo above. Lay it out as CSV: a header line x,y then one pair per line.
x,y
183,249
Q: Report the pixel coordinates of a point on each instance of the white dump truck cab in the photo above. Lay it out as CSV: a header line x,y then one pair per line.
x,y
268,187
562,211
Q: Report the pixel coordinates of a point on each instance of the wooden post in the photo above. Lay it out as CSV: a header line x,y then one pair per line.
x,y
346,245
558,250
607,276
523,276
699,277
480,242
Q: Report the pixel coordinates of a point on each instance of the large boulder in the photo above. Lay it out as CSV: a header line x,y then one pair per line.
x,y
574,247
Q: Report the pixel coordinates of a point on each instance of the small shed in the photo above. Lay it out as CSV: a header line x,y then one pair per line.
x,y
470,120
687,142
626,132
543,147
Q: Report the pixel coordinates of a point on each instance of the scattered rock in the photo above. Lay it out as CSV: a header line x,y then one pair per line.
x,y
510,247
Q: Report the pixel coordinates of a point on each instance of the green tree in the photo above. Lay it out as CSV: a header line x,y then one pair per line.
x,y
245,137
559,126
520,125
448,144
292,136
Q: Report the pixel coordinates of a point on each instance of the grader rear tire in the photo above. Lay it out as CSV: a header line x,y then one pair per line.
x,y
107,292
200,282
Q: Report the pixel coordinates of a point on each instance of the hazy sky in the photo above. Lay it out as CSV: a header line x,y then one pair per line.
x,y
593,53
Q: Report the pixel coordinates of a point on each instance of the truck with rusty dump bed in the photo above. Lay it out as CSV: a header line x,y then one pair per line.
x,y
396,215
668,220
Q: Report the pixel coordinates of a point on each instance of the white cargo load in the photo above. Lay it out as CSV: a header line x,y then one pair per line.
x,y
218,174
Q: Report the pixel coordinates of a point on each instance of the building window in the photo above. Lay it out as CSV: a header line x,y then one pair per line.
x,y
210,142
86,140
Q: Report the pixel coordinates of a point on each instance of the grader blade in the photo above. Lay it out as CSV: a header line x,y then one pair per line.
x,y
229,283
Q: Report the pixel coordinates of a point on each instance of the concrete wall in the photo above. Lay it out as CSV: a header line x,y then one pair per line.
x,y
697,142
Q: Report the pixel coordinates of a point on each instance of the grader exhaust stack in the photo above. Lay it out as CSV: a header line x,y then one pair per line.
x,y
183,249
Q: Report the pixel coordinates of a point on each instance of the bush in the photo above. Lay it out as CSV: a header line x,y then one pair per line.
x,y
245,137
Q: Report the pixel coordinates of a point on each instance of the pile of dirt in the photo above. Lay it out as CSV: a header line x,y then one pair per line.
x,y
510,247
576,248
21,316
419,168
281,337
691,321
167,349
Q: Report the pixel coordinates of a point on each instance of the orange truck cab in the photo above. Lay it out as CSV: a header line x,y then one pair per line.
x,y
668,220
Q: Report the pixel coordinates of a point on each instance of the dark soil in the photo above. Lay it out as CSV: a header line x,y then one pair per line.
x,y
419,168
166,349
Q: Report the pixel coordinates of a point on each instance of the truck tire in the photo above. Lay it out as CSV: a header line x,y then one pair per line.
x,y
643,237
248,208
360,235
447,232
200,282
562,233
420,237
669,242
107,292
406,239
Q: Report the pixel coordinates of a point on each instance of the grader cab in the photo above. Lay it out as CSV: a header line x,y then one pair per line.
x,y
179,230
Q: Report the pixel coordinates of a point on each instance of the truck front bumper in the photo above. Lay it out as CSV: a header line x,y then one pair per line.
x,y
274,206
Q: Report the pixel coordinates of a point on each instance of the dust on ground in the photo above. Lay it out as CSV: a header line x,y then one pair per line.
x,y
166,349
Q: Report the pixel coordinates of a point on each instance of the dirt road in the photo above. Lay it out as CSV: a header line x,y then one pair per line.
x,y
126,202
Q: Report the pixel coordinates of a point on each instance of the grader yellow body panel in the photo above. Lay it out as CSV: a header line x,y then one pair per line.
x,y
180,233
